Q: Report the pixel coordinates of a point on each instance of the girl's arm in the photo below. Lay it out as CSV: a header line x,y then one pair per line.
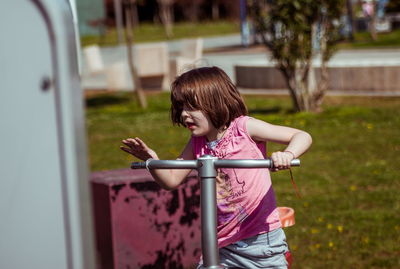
x,y
297,141
168,179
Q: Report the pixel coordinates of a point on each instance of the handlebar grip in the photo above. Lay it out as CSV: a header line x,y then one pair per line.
x,y
295,162
138,165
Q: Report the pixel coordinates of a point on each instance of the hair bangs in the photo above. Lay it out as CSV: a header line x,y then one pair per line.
x,y
182,95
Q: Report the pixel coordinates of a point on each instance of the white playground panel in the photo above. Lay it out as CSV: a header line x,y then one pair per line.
x,y
45,211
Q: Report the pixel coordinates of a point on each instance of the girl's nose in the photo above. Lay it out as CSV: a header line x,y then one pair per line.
x,y
184,114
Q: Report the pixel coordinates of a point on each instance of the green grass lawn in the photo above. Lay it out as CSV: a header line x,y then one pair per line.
x,y
348,215
155,32
363,40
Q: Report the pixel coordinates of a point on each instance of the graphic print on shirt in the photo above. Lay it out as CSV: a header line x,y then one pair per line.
x,y
227,192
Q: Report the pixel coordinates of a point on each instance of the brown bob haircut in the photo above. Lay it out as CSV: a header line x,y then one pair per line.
x,y
210,90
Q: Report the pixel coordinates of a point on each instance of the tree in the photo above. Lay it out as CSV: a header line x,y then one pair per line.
x,y
296,32
129,44
166,15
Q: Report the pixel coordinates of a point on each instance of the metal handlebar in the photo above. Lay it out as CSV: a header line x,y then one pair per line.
x,y
218,163
207,166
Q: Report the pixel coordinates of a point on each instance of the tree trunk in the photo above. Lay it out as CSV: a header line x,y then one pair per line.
x,y
306,80
372,22
215,10
322,85
129,43
166,16
296,88
317,90
305,92
118,20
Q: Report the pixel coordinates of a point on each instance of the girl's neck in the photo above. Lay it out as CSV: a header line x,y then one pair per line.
x,y
216,134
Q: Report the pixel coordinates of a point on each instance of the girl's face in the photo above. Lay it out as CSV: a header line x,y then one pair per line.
x,y
198,123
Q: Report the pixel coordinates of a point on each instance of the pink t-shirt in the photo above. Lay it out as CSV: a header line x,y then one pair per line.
x,y
246,203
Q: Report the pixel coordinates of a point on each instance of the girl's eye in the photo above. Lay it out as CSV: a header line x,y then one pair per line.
x,y
186,108
190,108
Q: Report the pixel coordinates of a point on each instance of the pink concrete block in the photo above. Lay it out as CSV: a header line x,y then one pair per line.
x,y
139,225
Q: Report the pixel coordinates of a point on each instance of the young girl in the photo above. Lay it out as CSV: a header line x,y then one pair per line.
x,y
207,103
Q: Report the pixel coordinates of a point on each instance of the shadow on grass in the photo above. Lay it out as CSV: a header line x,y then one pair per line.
x,y
105,100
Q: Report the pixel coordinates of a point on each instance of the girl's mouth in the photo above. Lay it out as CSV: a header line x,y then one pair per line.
x,y
190,125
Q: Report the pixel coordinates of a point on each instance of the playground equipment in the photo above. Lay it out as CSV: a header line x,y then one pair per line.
x,y
207,166
45,207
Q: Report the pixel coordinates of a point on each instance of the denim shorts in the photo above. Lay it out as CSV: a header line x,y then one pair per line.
x,y
265,250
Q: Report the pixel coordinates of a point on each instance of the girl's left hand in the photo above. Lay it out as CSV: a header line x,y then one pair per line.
x,y
281,160
138,148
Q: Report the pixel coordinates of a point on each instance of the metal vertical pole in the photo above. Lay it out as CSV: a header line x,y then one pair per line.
x,y
208,203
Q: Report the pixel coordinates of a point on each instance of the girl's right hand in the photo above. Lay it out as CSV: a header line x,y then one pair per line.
x,y
138,148
281,160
